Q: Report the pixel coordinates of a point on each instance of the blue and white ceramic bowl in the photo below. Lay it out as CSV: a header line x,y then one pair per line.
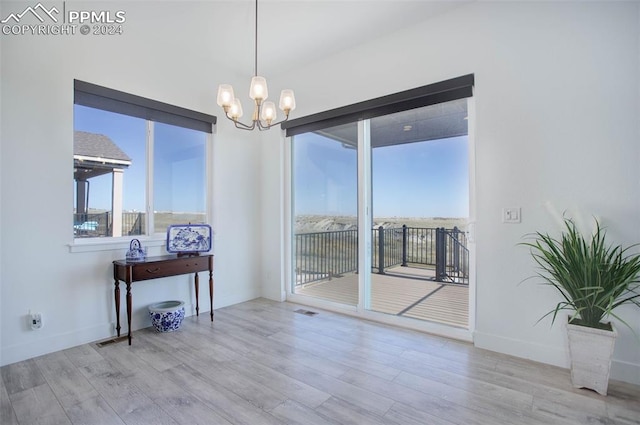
x,y
167,316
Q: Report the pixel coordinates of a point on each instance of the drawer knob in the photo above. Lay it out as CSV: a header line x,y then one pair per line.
x,y
156,270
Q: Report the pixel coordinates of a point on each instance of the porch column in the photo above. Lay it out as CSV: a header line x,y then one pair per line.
x,y
81,197
116,202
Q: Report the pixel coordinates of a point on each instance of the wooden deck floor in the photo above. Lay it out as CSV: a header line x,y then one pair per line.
x,y
403,291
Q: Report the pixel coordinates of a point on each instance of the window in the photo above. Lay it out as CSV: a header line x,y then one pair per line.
x,y
179,176
139,165
380,202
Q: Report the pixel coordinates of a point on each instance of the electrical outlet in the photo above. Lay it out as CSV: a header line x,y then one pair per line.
x,y
35,321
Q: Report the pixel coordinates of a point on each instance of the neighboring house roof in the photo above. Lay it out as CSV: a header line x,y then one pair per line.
x,y
95,155
98,147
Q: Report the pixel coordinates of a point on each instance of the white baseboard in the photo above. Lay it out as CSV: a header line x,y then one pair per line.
x,y
49,343
56,342
556,356
524,349
625,371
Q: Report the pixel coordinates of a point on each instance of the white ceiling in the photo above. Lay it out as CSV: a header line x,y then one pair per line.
x,y
294,33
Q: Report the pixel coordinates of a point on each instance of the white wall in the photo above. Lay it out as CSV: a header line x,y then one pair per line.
x,y
557,103
161,55
557,121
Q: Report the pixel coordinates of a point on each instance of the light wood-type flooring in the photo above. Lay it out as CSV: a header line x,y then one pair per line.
x,y
402,291
261,362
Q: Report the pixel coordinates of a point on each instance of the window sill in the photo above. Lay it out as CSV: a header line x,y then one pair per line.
x,y
113,244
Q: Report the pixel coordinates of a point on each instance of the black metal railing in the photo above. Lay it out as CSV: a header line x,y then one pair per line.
x,y
133,223
452,256
419,245
388,245
323,255
91,225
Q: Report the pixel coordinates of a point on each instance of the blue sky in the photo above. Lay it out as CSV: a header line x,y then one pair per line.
x,y
180,160
423,179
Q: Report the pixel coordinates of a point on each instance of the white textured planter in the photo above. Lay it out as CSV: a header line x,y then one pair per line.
x,y
591,351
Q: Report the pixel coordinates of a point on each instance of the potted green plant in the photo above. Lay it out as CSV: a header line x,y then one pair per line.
x,y
593,279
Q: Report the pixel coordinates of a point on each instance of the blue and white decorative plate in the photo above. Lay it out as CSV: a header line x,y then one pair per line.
x,y
188,238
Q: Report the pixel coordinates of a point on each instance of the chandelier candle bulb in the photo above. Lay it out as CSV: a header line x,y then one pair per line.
x,y
269,112
287,101
225,95
235,110
258,90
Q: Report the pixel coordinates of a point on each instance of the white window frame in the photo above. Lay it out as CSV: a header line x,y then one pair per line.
x,y
110,100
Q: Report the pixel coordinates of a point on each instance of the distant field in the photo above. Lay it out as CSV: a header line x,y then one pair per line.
x,y
164,220
130,224
430,222
323,223
309,223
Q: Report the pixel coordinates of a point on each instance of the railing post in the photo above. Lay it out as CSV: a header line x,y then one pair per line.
x,y
404,245
440,254
107,224
357,251
456,250
380,250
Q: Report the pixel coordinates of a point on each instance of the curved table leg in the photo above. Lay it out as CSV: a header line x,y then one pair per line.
x,y
196,282
117,300
211,289
129,302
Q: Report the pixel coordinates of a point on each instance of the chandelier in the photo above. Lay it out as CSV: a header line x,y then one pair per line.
x,y
264,113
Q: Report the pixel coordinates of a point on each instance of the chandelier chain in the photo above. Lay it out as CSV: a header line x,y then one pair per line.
x,y
255,64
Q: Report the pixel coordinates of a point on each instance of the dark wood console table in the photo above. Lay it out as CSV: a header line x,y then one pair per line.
x,y
157,267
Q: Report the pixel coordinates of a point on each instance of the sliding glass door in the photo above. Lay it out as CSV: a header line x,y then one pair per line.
x,y
420,204
325,214
381,208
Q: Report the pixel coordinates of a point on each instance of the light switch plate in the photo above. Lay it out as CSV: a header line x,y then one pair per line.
x,y
511,215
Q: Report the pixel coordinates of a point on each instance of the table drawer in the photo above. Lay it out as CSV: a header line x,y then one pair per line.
x,y
153,270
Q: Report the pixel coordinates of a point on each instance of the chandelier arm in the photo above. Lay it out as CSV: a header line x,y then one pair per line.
x,y
241,125
279,122
261,126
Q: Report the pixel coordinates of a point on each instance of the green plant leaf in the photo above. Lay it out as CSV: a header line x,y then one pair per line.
x,y
592,277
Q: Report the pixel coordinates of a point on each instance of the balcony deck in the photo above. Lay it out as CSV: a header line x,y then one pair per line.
x,y
402,291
